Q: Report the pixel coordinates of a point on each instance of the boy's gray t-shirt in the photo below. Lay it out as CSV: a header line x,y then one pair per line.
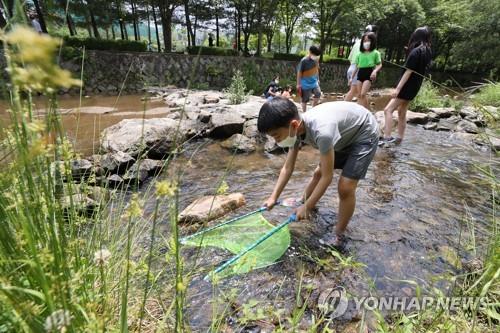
x,y
338,125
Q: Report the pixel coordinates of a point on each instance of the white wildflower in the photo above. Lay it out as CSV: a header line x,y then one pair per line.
x,y
57,321
101,257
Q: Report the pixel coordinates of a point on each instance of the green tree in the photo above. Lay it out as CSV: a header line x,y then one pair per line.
x,y
289,13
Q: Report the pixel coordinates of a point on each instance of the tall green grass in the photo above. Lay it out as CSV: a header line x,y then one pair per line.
x,y
489,94
63,268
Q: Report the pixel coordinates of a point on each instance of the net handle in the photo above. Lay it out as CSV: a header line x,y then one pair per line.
x,y
291,219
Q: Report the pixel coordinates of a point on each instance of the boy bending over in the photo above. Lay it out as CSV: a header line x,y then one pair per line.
x,y
346,135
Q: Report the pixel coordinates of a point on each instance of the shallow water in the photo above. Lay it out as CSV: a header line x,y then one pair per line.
x,y
411,210
411,205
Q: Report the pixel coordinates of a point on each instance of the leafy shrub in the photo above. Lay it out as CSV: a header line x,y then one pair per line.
x,y
105,44
332,60
218,51
70,53
237,90
428,97
287,56
489,94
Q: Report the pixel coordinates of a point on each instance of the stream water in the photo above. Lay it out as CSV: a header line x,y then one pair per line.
x,y
412,212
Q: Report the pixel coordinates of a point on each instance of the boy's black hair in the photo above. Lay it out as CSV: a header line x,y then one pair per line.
x,y
315,50
276,113
373,41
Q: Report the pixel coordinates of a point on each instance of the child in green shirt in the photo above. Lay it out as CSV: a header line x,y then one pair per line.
x,y
368,64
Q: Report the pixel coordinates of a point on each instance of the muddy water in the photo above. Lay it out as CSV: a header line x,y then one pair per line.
x,y
410,214
84,128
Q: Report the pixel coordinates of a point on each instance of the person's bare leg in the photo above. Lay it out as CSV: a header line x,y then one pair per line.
x,y
393,104
304,107
315,101
312,183
347,202
357,90
403,107
363,95
350,94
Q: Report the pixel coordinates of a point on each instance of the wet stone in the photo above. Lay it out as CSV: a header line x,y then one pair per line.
x,y
467,126
239,143
443,112
116,162
114,181
431,126
416,117
211,207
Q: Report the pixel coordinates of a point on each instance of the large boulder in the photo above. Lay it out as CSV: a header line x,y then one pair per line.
x,y
250,109
445,126
250,129
467,126
239,143
416,118
223,125
270,146
211,207
157,136
141,170
212,98
81,169
443,112
79,203
468,112
117,162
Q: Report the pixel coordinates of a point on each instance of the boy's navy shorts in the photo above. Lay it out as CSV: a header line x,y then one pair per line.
x,y
355,159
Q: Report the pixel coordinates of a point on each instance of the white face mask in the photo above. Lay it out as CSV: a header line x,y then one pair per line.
x,y
366,45
315,57
289,141
277,81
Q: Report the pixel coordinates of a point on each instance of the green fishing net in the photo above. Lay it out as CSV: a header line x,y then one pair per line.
x,y
237,236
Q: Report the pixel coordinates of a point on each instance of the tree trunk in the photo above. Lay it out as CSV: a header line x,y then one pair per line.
x,y
240,22
259,27
120,20
149,25
156,28
94,24
3,22
71,25
269,41
134,21
166,22
193,36
88,26
279,41
3,18
188,23
125,31
217,29
40,15
122,29
113,30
